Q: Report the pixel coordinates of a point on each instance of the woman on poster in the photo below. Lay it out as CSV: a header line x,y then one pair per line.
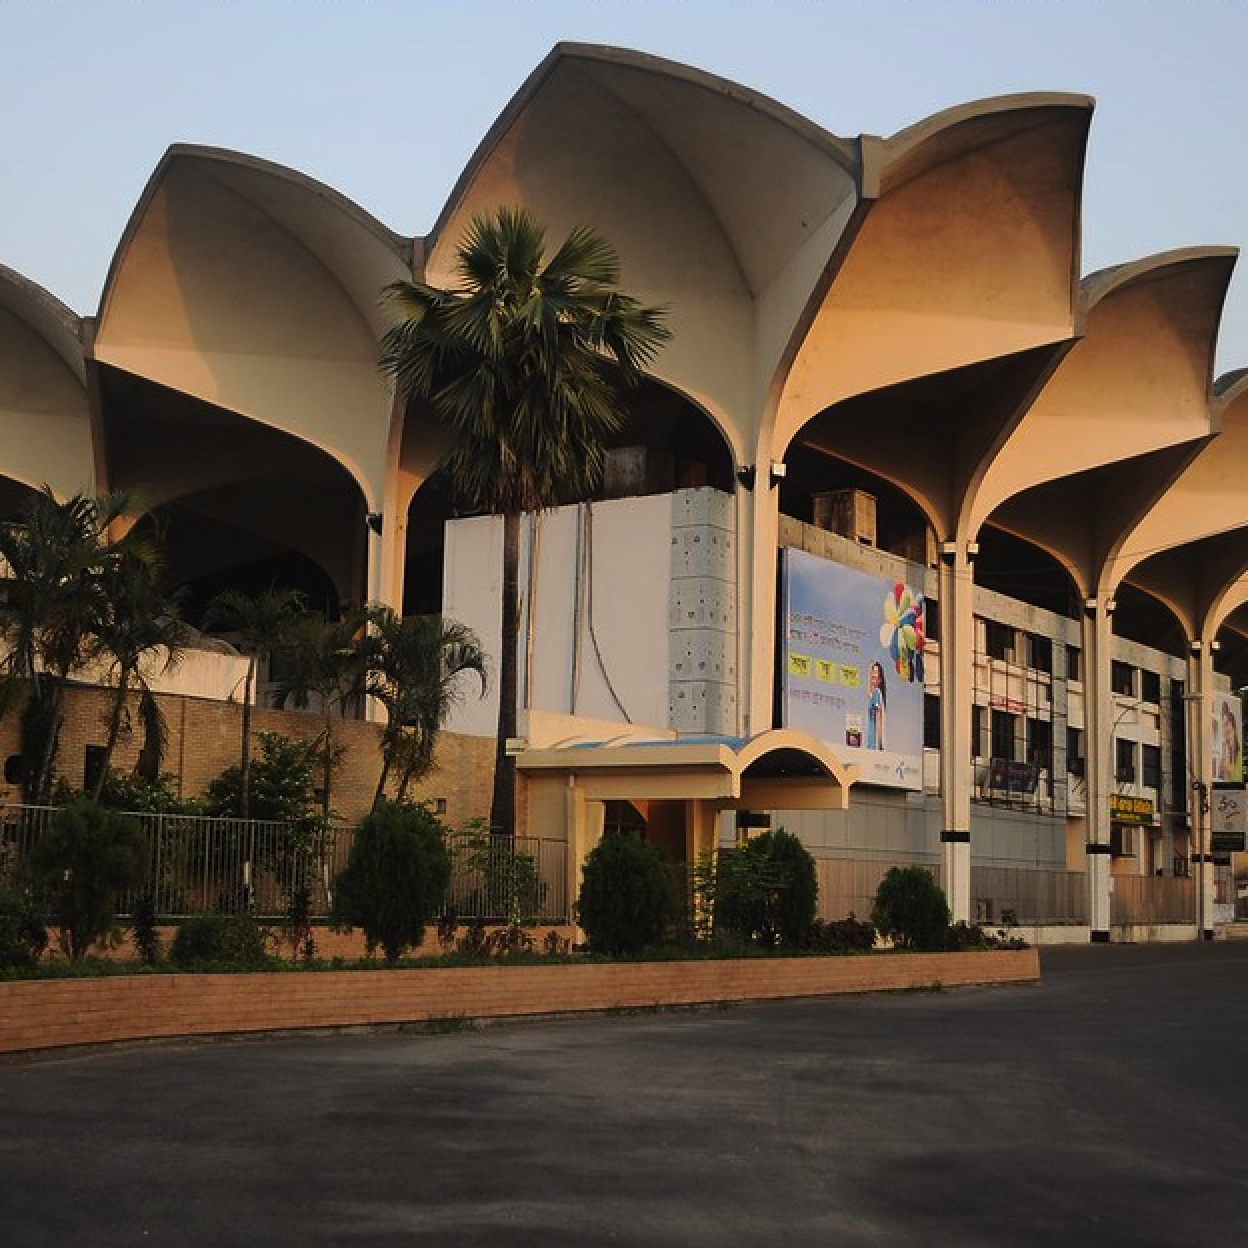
x,y
877,704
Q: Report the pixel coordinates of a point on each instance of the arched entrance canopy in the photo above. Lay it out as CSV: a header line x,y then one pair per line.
x,y
778,768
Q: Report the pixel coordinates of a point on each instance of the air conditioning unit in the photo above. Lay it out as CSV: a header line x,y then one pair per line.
x,y
851,513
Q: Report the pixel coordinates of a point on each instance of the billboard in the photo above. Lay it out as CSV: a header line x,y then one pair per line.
x,y
851,666
1227,737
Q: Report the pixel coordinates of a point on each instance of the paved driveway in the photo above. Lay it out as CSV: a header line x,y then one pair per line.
x,y
1107,1105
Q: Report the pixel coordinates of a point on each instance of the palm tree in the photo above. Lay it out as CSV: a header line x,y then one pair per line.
x,y
415,664
326,660
141,621
525,361
259,625
61,556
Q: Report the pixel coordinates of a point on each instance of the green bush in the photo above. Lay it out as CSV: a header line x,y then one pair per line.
x,y
281,785
226,942
396,878
766,891
625,901
910,909
86,857
23,936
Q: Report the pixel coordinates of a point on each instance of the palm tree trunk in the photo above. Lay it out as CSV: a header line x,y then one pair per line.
x,y
503,804
380,792
244,766
114,731
51,743
327,779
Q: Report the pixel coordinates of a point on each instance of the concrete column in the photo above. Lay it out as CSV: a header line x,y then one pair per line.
x,y
1098,732
758,525
584,821
957,695
1200,765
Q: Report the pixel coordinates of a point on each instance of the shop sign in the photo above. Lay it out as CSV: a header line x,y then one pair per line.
x,y
1124,808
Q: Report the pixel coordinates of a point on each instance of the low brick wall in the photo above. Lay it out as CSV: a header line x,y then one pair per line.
x,y
47,1014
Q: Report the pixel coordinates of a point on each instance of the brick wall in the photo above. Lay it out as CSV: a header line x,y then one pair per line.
x,y
204,739
57,1013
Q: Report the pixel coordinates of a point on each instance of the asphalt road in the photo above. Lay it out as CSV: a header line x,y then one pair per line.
x,y
1107,1105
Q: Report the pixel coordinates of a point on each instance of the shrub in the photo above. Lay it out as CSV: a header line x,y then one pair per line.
x,y
227,942
625,899
143,933
135,793
23,937
849,935
911,910
281,785
510,884
395,879
766,891
84,860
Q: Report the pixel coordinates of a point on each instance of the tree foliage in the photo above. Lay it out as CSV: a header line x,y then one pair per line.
x,y
415,668
258,624
325,660
396,878
85,859
525,360
66,561
281,783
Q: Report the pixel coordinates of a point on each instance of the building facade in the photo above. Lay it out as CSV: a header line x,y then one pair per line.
x,y
887,377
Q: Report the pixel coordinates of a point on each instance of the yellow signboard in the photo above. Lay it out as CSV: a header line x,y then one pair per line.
x,y
1124,808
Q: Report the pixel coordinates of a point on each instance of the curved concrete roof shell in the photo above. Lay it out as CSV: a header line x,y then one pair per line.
x,y
722,204
1136,383
969,253
258,290
45,420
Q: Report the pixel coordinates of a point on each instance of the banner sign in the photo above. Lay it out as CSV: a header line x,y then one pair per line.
x,y
1005,775
1227,822
1228,753
851,667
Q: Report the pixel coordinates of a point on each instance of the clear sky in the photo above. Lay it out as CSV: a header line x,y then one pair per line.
x,y
386,100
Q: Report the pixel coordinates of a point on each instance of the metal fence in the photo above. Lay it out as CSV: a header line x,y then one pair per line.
x,y
1033,897
1146,899
233,866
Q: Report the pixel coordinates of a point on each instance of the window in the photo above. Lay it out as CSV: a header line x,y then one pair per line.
x,y
1004,734
1124,761
1039,653
1122,679
1074,751
931,721
931,619
1150,766
1150,687
1122,841
977,731
1073,663
998,640
1040,743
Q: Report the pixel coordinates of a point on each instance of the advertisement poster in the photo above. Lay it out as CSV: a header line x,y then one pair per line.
x,y
1227,737
1227,822
852,666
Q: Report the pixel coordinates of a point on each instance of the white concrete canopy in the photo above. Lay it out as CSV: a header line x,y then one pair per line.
x,y
45,418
